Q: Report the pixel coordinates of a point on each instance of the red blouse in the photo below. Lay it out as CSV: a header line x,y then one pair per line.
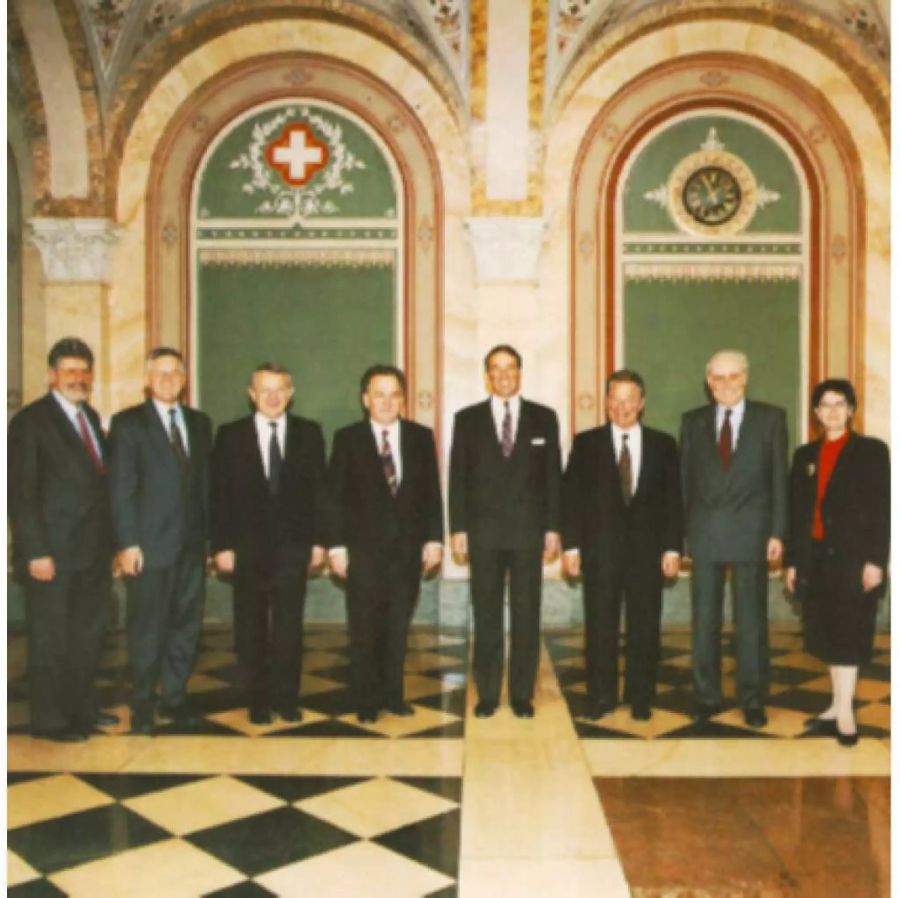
x,y
828,456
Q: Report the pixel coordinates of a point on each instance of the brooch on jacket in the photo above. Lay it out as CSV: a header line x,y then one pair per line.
x,y
811,469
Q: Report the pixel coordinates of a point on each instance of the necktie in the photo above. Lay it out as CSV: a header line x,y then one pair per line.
x,y
89,441
177,441
387,463
506,434
274,458
625,469
725,441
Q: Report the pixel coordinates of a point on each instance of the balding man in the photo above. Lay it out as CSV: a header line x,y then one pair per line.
x,y
734,483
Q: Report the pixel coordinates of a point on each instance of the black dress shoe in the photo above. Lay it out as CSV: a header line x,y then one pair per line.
x,y
260,716
183,715
596,710
401,709
640,712
367,716
702,713
104,719
818,726
755,717
60,735
290,714
485,708
523,708
142,724
848,740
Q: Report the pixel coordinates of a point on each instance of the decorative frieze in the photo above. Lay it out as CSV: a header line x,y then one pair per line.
x,y
74,249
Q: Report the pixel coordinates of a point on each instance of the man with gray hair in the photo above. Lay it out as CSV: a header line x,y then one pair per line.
x,y
159,482
734,484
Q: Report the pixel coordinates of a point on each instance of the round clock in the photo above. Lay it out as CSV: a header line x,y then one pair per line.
x,y
712,193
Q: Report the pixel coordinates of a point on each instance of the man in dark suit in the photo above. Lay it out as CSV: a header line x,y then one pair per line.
x,y
504,516
159,480
387,529
62,544
622,533
267,518
734,483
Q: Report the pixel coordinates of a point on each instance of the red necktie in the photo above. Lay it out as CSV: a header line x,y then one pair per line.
x,y
725,440
88,440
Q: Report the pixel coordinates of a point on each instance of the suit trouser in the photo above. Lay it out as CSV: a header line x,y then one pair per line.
x,y
749,583
638,582
488,569
269,633
66,619
165,615
381,599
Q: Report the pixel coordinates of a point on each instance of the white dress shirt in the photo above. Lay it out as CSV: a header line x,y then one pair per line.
x,y
737,418
163,409
264,436
393,438
72,410
498,411
635,447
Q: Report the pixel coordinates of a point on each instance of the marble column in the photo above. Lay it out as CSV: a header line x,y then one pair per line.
x,y
75,256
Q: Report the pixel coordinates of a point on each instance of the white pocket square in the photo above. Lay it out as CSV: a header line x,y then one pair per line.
x,y
538,441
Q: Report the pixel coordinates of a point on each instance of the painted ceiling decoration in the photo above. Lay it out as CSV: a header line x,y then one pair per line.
x,y
120,31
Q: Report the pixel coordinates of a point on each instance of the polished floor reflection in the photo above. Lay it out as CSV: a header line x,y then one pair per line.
x,y
442,803
821,837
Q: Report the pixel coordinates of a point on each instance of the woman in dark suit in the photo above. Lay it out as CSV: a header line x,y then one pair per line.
x,y
837,552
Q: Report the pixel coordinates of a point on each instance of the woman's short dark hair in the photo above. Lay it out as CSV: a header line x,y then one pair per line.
x,y
835,385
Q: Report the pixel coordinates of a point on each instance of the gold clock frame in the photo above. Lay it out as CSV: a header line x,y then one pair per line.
x,y
737,168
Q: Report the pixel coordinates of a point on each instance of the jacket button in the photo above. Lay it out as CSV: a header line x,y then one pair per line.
x,y
829,550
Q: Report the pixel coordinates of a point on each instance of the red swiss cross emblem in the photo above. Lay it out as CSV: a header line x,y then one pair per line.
x,y
297,155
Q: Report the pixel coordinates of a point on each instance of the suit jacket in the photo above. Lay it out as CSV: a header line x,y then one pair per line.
x,y
856,509
731,514
58,500
505,503
595,518
152,506
365,517
263,529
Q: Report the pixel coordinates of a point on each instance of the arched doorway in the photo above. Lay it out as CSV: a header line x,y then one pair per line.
x,y
653,286
296,257
380,239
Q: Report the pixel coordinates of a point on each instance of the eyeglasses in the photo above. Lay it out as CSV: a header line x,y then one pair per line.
x,y
839,403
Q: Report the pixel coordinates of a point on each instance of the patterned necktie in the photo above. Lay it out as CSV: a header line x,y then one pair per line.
x,y
89,441
506,434
274,458
625,469
177,441
387,463
725,441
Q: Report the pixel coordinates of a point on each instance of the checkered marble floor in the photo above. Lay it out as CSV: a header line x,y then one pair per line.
x,y
329,807
435,684
180,835
800,687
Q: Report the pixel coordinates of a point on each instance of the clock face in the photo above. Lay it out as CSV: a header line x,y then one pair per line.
x,y
711,195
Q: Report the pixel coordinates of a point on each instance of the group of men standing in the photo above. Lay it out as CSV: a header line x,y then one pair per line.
x,y
160,495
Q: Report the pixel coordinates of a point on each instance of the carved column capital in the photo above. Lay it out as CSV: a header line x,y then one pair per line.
x,y
74,249
506,248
